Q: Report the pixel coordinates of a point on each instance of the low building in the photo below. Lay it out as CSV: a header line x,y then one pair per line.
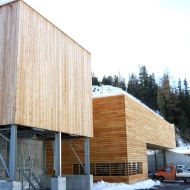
x,y
129,139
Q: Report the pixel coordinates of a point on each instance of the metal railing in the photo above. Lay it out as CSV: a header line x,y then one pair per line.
x,y
31,174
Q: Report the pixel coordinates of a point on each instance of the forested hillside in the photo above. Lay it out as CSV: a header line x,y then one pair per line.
x,y
166,97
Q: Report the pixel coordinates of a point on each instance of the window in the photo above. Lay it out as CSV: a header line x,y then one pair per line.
x,y
168,169
110,169
102,169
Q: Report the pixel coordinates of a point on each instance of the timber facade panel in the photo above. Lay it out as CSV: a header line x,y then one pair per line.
x,y
42,74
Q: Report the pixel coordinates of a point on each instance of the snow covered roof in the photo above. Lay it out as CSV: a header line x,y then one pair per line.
x,y
107,90
4,2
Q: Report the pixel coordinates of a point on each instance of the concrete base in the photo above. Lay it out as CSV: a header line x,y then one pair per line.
x,y
10,185
58,183
79,182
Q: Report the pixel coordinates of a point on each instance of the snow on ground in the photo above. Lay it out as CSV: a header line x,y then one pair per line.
x,y
122,186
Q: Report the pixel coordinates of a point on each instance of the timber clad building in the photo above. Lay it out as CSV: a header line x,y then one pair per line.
x,y
48,115
45,92
125,131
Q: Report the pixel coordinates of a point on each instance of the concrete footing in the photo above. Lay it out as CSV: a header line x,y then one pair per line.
x,y
10,185
58,183
79,182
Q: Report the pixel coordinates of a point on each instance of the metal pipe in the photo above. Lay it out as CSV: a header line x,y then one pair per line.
x,y
4,165
4,137
75,154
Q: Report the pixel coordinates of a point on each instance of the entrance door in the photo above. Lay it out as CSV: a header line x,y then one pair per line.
x,y
156,159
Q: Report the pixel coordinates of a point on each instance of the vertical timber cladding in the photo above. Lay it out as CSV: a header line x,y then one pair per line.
x,y
142,127
9,27
54,78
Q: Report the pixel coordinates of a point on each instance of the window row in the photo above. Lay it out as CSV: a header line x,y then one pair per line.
x,y
110,169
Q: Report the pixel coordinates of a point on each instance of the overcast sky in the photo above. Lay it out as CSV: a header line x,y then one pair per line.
x,y
123,34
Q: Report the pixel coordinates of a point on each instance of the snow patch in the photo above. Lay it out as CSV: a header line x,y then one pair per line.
x,y
122,186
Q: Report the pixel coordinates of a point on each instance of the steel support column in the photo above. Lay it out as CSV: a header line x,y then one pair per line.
x,y
57,154
87,156
44,156
155,157
13,153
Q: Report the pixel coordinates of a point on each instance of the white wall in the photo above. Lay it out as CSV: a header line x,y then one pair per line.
x,y
177,158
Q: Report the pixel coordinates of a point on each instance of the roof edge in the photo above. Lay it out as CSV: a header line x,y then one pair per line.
x,y
125,94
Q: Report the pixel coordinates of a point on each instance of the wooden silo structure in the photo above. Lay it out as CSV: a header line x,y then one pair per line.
x,y
45,78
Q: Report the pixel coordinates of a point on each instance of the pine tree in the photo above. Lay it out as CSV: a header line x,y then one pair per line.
x,y
107,80
184,127
95,80
133,86
116,81
161,102
152,92
143,84
167,98
122,84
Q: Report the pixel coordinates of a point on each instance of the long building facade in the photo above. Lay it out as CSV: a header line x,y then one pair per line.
x,y
126,135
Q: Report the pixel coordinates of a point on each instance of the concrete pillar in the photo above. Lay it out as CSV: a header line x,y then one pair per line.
x,y
58,183
10,185
13,153
79,182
